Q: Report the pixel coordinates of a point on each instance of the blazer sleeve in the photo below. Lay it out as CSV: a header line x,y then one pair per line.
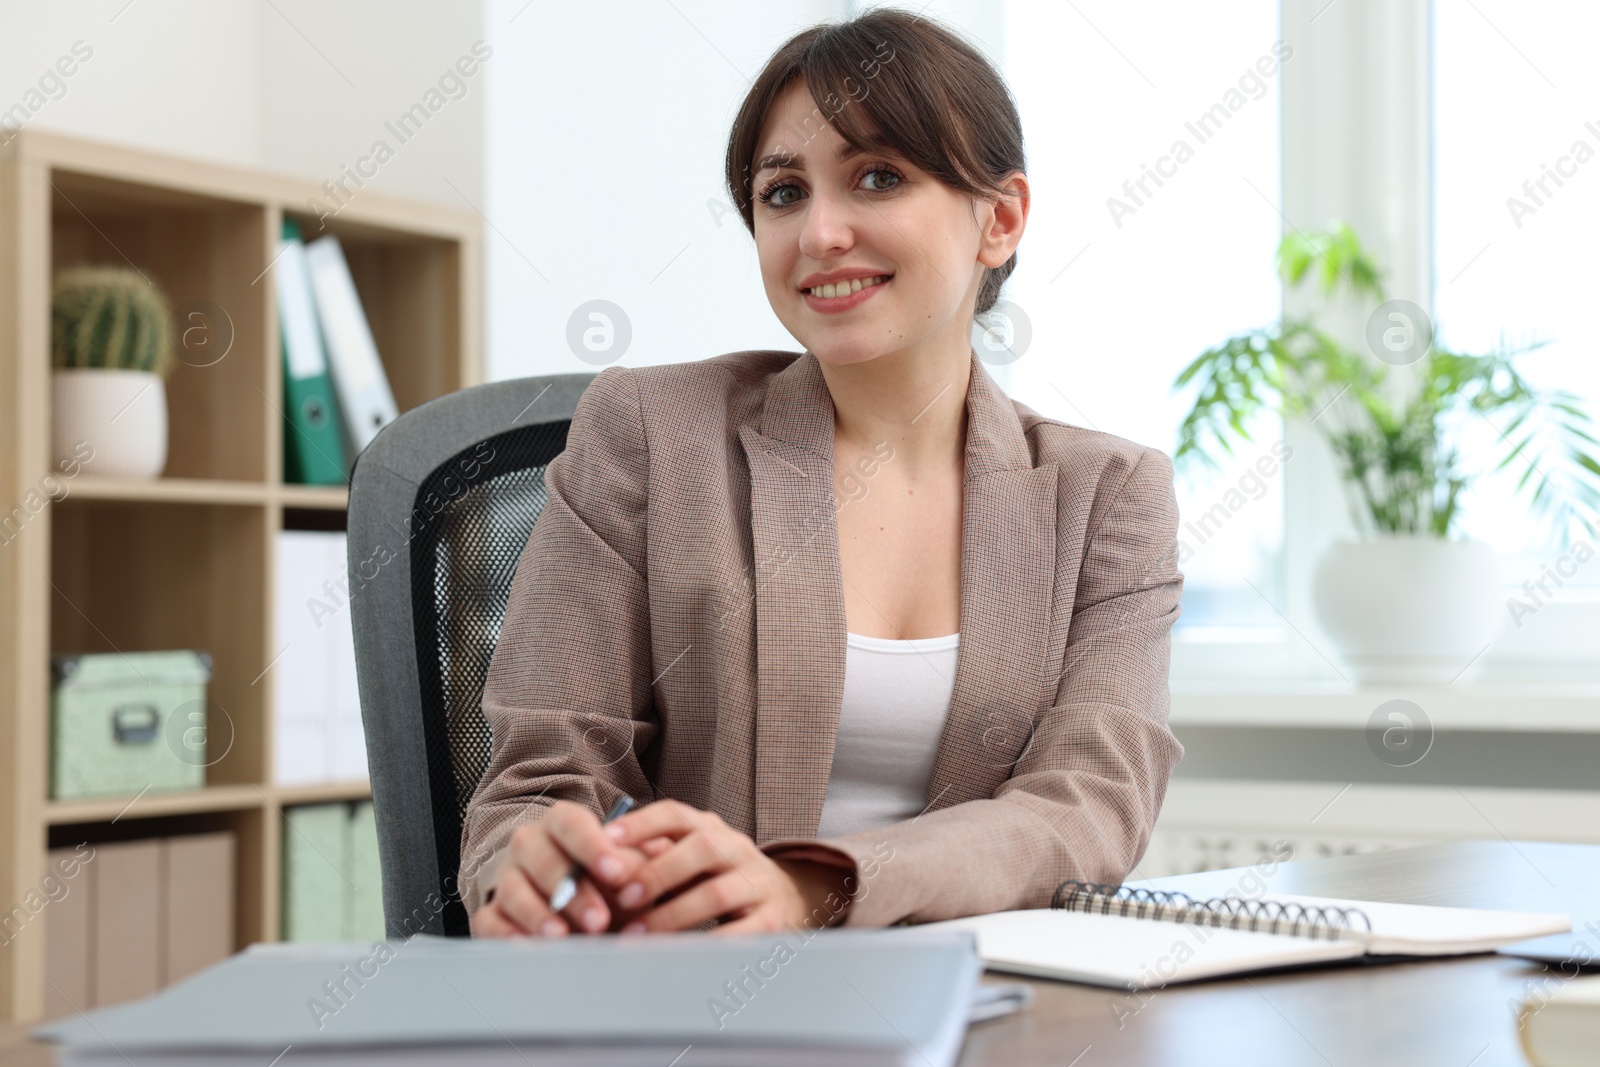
x,y
1082,799
568,697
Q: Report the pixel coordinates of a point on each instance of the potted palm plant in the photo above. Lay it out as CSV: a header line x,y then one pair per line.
x,y
1409,599
111,348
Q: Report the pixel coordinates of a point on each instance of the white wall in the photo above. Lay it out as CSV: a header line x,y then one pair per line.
x,y
294,86
548,142
606,129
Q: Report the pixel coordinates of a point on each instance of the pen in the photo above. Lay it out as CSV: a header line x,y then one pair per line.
x,y
567,888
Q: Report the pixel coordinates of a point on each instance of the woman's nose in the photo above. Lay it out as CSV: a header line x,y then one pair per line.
x,y
829,228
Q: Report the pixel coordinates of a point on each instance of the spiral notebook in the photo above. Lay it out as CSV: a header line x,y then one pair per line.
x,y
1134,938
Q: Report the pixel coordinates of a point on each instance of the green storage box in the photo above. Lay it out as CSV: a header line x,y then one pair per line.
x,y
122,722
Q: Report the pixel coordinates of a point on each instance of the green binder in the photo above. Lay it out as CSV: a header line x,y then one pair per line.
x,y
332,881
313,440
316,863
363,918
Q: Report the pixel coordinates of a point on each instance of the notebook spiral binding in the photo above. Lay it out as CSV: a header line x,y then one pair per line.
x,y
1328,922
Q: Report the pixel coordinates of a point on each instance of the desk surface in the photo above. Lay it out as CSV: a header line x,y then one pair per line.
x,y
1450,1012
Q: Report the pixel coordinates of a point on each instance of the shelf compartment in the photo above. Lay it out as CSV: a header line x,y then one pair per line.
x,y
410,288
207,255
142,575
255,870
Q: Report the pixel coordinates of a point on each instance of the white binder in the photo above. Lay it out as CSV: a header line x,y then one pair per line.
x,y
358,377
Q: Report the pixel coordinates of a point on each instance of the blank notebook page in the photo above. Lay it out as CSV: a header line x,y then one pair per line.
x,y
1127,953
1424,930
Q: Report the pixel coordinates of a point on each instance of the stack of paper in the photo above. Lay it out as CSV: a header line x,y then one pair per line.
x,y
845,997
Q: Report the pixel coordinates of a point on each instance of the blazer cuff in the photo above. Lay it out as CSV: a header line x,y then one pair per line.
x,y
824,853
476,886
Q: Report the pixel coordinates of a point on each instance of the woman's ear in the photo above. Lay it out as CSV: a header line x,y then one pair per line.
x,y
1003,221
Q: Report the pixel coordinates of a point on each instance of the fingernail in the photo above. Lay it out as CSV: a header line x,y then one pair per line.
x,y
635,927
616,833
552,928
593,919
610,868
631,895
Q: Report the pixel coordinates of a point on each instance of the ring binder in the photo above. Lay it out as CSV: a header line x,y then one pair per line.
x,y
1329,922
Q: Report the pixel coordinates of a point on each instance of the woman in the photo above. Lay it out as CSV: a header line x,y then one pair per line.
x,y
767,665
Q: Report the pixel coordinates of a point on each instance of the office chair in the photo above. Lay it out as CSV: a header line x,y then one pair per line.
x,y
441,505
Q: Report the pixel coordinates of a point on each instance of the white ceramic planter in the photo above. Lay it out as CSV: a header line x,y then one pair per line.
x,y
1410,608
120,414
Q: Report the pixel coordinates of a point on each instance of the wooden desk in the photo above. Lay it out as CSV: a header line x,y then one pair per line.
x,y
1449,1012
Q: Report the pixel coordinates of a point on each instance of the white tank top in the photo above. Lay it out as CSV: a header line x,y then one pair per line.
x,y
896,697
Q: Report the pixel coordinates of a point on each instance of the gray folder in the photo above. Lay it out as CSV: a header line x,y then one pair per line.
x,y
875,997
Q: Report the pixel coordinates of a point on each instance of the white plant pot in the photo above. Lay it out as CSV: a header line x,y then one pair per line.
x,y
117,418
1410,608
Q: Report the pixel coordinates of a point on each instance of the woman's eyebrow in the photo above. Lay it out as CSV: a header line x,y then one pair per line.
x,y
846,151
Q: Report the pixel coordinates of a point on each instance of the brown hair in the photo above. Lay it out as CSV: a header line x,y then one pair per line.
x,y
919,89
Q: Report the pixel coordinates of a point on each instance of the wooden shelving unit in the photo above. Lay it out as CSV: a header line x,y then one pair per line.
x,y
184,561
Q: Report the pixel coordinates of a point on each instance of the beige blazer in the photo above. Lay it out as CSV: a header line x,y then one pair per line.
x,y
676,628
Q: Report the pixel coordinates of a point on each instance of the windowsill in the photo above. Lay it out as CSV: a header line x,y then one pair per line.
x,y
1512,707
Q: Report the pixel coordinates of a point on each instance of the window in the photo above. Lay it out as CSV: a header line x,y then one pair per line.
x,y
1154,164
1514,225
1517,204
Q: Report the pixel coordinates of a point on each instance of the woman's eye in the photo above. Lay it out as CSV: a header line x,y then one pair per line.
x,y
883,171
878,180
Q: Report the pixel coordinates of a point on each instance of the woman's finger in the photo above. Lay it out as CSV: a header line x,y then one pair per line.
x,y
520,901
588,911
671,818
711,899
489,921
577,832
756,920
678,864
655,846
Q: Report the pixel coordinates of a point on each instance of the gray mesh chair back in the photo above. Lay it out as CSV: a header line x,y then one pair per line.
x,y
441,505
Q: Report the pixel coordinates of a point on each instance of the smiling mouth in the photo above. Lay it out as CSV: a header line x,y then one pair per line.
x,y
838,289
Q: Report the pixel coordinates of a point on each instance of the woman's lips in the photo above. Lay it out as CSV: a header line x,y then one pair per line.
x,y
834,305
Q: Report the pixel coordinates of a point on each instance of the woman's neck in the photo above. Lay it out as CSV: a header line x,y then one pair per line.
x,y
914,400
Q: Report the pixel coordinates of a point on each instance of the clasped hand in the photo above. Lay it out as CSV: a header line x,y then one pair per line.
x,y
664,867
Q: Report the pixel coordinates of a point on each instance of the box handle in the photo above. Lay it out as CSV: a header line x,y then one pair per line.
x,y
135,724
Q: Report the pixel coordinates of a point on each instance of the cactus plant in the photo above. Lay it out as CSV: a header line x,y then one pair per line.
x,y
111,318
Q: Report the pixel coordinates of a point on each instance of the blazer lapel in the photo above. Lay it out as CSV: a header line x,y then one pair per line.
x,y
1007,575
